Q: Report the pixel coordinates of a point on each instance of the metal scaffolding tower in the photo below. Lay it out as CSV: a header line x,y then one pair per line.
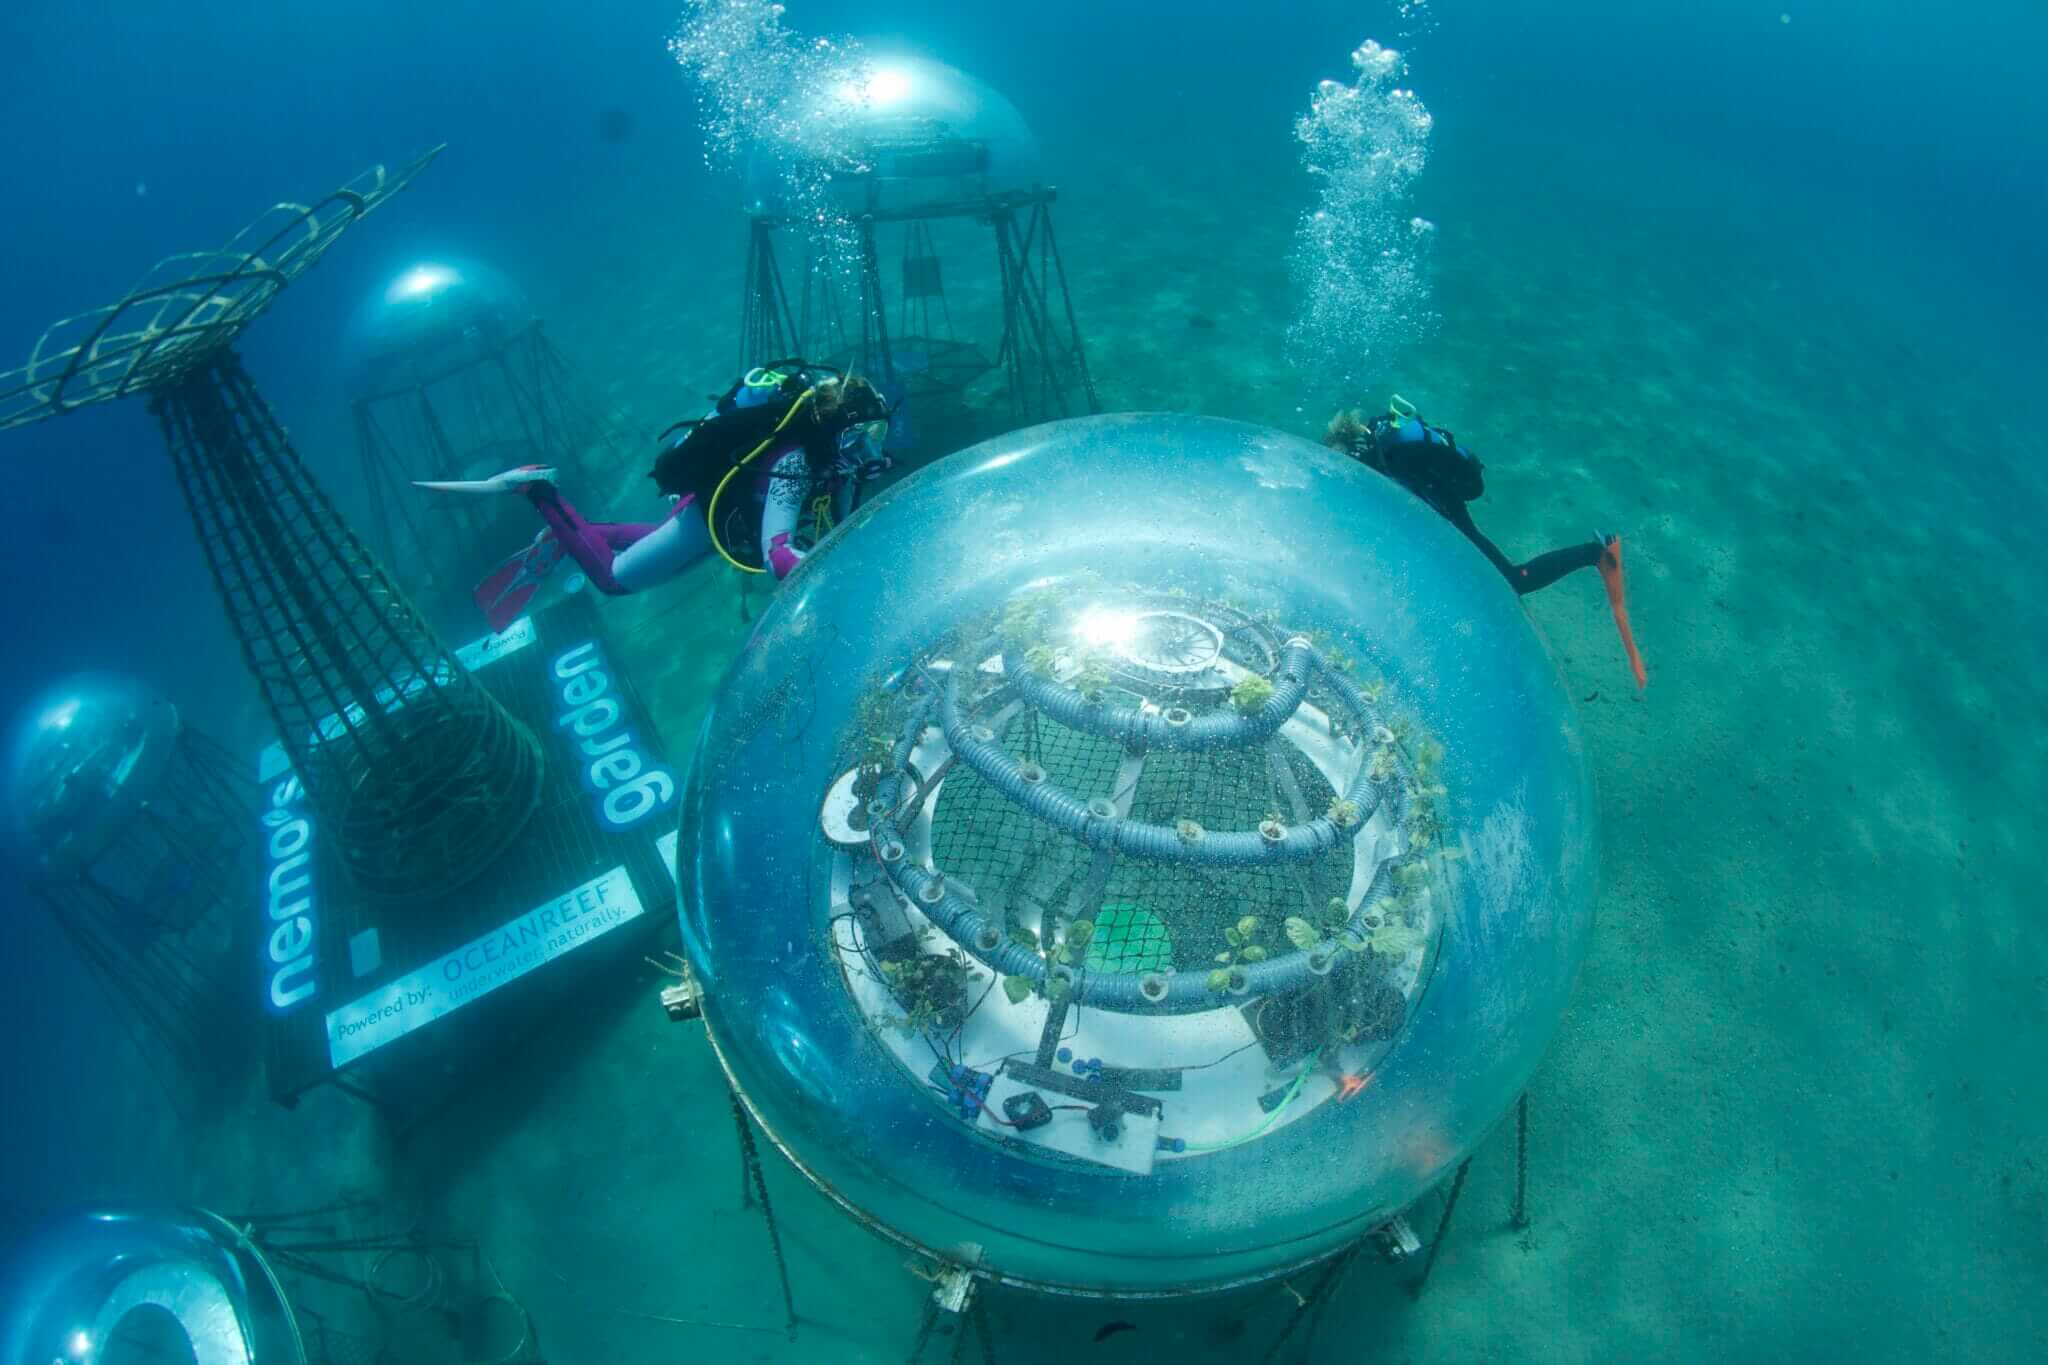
x,y
422,777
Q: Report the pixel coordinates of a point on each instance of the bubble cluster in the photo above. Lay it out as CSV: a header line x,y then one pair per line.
x,y
1417,19
778,105
1360,254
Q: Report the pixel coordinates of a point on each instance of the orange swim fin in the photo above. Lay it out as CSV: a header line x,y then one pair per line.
x,y
1610,574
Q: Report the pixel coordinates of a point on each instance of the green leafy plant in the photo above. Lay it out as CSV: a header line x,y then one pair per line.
x,y
1243,938
875,711
1093,678
1326,648
1251,692
1394,938
1074,947
1026,617
931,988
1018,987
1228,979
1333,934
1344,813
1382,763
878,721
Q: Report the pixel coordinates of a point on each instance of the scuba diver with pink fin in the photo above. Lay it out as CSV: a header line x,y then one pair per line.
x,y
1429,462
759,479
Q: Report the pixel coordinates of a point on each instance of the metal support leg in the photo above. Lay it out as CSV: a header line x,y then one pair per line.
x,y
925,1327
1310,1307
983,1332
954,1292
357,1092
750,1161
1521,1218
1443,1225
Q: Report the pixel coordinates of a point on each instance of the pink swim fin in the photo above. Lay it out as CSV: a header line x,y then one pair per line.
x,y
504,595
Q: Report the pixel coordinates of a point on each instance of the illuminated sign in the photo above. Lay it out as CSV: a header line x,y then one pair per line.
x,y
628,787
481,966
288,850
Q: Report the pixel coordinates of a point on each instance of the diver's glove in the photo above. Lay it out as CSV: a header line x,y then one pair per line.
x,y
783,557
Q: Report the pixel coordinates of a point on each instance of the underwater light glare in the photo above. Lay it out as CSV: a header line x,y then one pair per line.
x,y
81,766
432,319
1136,855
899,132
1101,626
420,281
883,87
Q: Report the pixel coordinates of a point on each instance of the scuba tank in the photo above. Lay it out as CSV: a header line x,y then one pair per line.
x,y
697,452
765,410
1428,459
782,379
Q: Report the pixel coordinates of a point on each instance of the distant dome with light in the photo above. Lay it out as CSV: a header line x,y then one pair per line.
x,y
430,320
911,132
85,759
1137,855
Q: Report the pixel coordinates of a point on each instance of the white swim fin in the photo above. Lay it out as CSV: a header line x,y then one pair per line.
x,y
511,481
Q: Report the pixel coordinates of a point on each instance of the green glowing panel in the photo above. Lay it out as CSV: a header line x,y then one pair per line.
x,y
1128,939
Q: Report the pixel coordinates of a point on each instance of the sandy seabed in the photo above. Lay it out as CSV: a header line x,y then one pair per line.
x,y
1796,1108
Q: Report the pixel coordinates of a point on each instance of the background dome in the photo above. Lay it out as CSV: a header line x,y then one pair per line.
x,y
431,320
928,133
83,760
1257,719
134,1288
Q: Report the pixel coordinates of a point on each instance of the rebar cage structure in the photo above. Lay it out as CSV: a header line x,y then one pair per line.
x,y
422,777
511,400
1040,352
147,900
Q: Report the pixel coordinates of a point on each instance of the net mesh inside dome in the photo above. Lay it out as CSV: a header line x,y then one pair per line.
x,y
1010,860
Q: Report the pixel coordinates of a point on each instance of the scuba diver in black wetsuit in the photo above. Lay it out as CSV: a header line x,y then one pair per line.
x,y
758,480
1428,462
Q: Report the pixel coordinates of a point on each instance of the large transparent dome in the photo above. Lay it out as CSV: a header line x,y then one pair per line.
x,y
1140,854
923,133
434,318
84,760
